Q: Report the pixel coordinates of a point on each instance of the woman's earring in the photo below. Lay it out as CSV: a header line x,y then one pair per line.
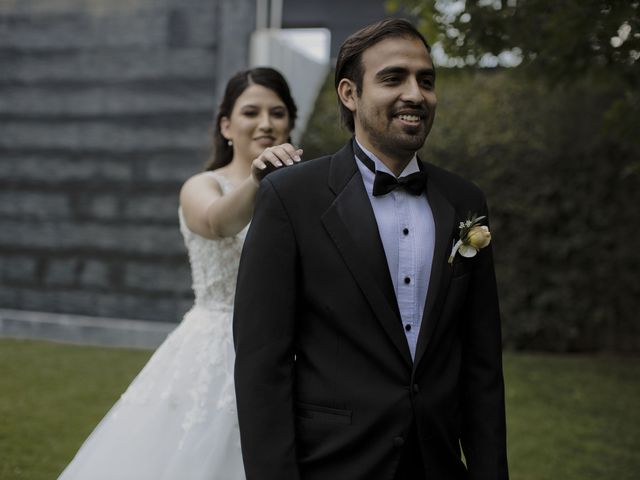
x,y
230,143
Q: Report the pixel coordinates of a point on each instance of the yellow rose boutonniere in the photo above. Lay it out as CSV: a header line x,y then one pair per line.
x,y
473,237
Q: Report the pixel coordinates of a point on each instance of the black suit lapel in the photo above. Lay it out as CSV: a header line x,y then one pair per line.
x,y
444,218
351,224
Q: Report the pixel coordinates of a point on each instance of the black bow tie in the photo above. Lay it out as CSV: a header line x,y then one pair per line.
x,y
414,183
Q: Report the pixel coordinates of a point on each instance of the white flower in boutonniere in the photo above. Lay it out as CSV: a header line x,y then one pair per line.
x,y
473,237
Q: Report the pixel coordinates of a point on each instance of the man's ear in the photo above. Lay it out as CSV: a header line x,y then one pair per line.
x,y
347,93
224,127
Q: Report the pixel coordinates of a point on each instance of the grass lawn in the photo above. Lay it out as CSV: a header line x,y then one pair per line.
x,y
569,417
51,397
573,417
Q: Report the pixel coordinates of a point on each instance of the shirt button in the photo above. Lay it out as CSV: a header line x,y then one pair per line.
x,y
407,327
407,280
405,231
398,442
416,388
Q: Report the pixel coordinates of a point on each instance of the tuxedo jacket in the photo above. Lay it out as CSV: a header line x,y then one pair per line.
x,y
325,383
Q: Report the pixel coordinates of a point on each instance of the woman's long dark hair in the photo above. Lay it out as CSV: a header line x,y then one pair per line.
x,y
267,77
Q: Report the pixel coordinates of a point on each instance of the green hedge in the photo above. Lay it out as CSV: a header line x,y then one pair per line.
x,y
560,167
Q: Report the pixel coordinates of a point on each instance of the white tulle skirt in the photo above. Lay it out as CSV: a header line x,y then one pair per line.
x,y
177,420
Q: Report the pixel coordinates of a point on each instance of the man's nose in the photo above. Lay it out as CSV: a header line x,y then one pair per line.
x,y
412,91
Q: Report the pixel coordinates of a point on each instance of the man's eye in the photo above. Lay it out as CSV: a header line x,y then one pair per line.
x,y
427,83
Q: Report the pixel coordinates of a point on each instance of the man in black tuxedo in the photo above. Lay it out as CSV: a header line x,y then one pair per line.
x,y
362,352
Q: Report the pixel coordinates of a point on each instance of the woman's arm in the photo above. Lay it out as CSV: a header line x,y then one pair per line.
x,y
213,215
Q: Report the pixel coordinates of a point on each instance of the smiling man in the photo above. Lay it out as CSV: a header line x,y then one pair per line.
x,y
366,320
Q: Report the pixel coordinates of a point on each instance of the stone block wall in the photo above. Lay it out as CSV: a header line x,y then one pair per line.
x,y
105,109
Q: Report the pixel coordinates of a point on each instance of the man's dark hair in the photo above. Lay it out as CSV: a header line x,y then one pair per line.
x,y
349,62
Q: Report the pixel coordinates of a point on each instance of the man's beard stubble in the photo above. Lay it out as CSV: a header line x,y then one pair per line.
x,y
393,143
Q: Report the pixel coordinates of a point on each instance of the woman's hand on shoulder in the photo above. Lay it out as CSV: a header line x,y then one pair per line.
x,y
273,158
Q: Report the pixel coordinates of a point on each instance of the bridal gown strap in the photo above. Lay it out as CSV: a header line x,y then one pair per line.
x,y
177,420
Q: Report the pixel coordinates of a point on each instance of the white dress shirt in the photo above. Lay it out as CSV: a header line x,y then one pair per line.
x,y
407,230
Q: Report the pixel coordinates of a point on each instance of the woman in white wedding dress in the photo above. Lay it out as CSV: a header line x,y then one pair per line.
x,y
177,420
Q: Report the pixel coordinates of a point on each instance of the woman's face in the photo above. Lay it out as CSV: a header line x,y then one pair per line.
x,y
259,119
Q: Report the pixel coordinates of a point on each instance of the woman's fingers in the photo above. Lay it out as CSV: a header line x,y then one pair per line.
x,y
280,155
275,157
258,163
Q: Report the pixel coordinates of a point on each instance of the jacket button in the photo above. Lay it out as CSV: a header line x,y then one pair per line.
x,y
416,388
398,442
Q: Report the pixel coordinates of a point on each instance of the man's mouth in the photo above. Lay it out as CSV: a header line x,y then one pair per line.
x,y
410,118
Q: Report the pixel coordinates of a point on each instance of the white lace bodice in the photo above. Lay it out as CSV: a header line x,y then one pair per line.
x,y
214,263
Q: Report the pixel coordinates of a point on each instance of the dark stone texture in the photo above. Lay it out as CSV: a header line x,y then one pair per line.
x,y
56,168
68,236
153,207
118,135
102,304
61,272
92,99
18,204
104,66
96,274
105,110
153,277
18,269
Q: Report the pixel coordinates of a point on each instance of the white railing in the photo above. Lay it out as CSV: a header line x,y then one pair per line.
x,y
302,56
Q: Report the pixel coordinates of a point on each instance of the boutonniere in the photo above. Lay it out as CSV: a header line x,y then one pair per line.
x,y
473,237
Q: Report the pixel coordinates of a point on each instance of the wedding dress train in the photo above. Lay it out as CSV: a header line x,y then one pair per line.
x,y
177,420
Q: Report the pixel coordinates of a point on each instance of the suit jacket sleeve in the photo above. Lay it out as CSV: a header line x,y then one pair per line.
x,y
484,430
263,329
